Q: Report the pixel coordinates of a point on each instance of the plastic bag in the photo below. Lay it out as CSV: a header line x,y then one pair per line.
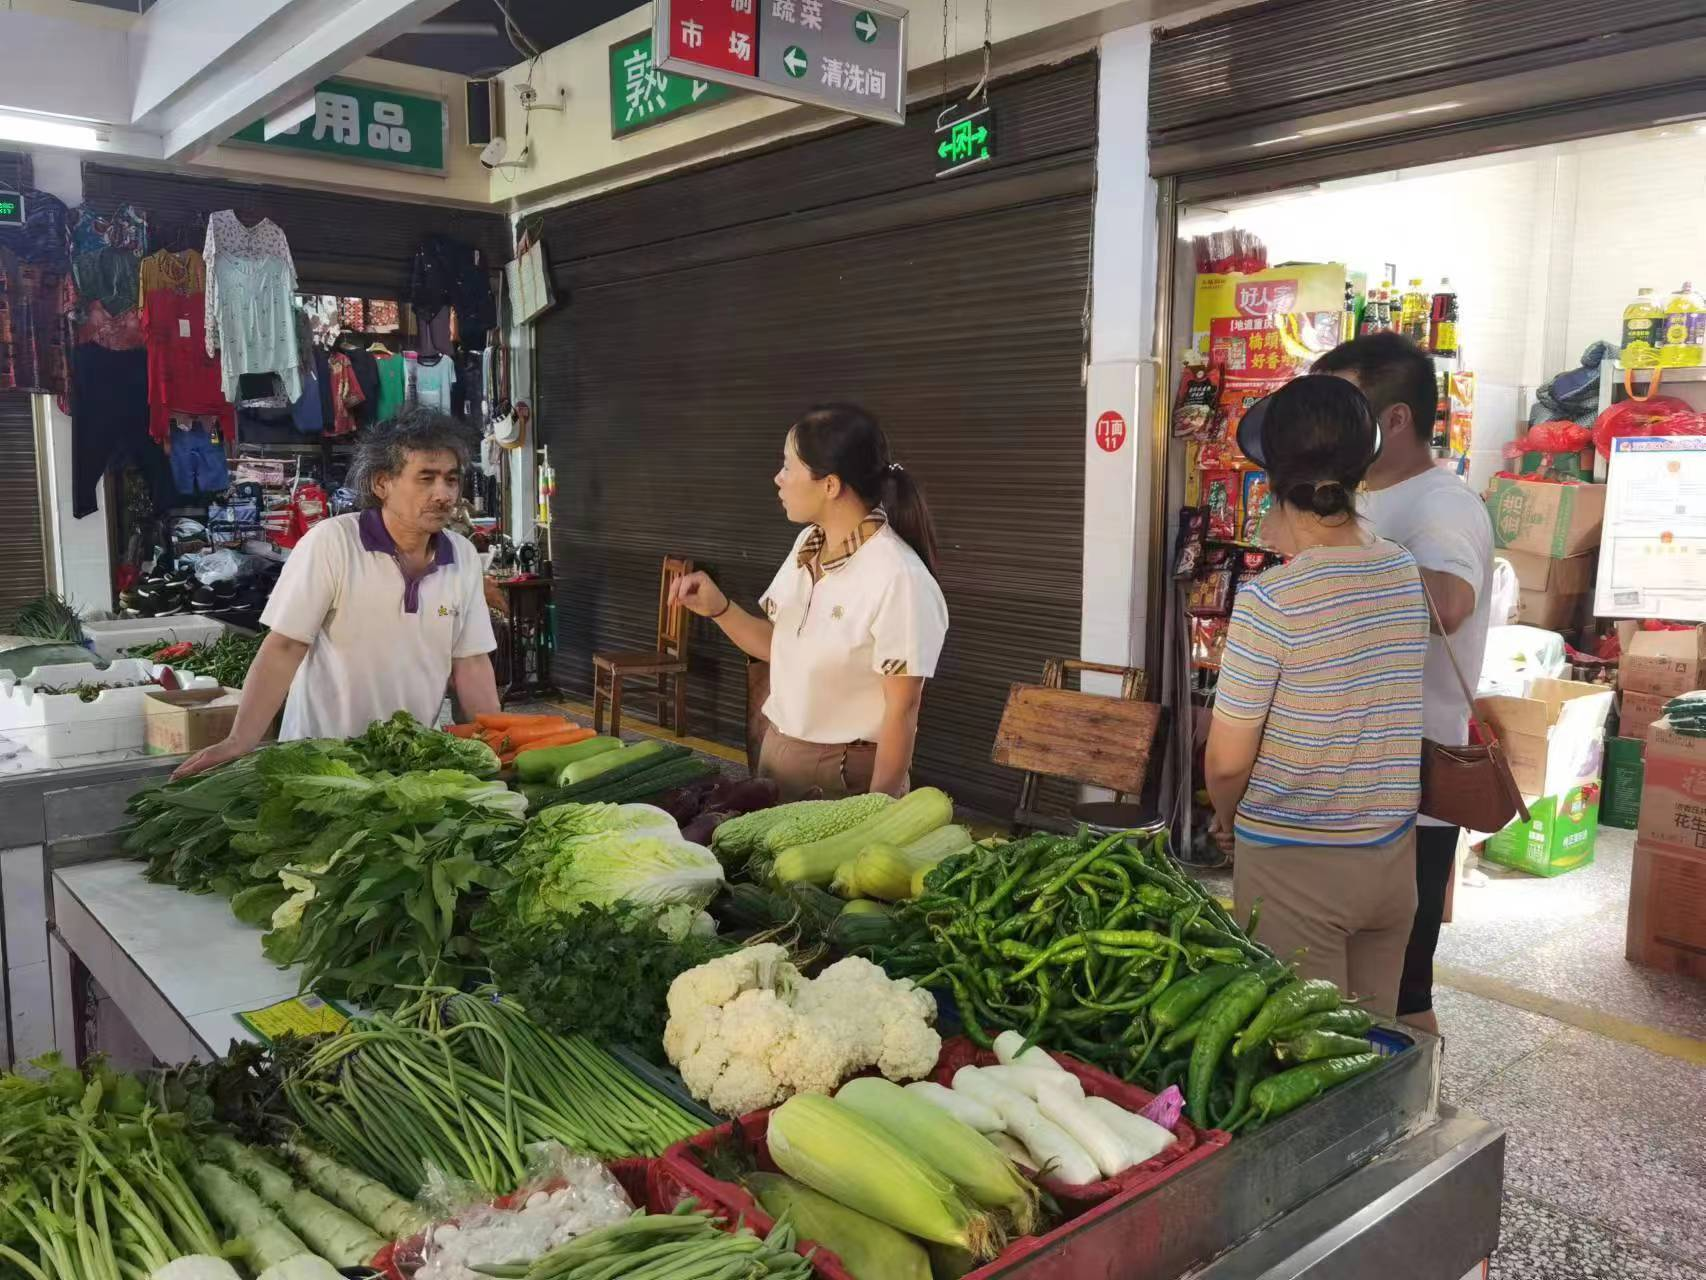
x,y
563,1196
1166,1109
1657,416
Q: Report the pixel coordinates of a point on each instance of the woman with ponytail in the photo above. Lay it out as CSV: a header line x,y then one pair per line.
x,y
854,621
1314,755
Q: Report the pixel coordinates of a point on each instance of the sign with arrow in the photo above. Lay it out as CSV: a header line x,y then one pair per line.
x,y
641,95
849,55
965,139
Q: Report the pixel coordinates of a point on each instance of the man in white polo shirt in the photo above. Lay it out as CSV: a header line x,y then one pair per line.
x,y
378,611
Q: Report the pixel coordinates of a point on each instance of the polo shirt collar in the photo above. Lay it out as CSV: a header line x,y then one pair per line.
x,y
816,556
377,538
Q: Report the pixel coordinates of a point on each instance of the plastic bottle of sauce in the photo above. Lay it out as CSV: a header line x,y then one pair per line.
x,y
1442,320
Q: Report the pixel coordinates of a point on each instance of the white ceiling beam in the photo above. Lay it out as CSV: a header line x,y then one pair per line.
x,y
244,76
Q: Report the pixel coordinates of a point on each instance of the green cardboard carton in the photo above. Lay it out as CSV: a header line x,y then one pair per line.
x,y
1559,836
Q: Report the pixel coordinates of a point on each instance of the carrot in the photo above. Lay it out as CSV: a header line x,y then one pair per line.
x,y
555,740
462,730
523,734
510,720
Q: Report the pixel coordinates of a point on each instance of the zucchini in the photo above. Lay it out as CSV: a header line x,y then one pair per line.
x,y
610,762
900,823
546,764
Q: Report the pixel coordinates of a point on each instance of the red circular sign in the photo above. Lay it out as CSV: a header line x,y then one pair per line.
x,y
1110,431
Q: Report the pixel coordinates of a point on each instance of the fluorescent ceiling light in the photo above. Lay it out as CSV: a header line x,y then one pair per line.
x,y
50,133
456,29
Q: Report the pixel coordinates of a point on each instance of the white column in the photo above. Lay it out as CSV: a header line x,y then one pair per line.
x,y
1116,475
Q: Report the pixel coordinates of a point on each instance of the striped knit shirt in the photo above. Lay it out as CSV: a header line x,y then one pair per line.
x,y
1328,650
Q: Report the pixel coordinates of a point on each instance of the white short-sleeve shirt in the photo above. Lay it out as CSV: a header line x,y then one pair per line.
x,y
379,642
879,612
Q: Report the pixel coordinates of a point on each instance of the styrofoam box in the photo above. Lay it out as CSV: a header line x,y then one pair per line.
x,y
56,725
113,636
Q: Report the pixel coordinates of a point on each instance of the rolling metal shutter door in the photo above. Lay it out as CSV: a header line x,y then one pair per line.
x,y
23,560
341,244
701,313
1295,90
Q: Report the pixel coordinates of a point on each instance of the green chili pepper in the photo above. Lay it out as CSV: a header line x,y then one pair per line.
x,y
1288,1004
1066,877
1349,1021
1232,1006
1215,955
1184,1037
1180,1001
1024,858
1255,915
1291,1089
1312,1046
1243,1081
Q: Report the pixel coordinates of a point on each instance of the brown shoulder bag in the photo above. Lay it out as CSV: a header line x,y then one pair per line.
x,y
1469,786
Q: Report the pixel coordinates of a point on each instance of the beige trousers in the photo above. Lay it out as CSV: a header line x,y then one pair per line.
x,y
1348,911
800,768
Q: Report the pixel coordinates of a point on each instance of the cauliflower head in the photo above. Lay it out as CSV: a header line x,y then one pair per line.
x,y
748,1031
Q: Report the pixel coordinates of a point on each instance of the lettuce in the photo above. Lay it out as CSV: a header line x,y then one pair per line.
x,y
556,877
567,820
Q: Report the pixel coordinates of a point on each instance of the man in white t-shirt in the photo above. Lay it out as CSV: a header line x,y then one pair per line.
x,y
378,611
1439,520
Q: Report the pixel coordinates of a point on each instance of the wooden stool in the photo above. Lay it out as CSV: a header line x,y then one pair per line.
x,y
667,664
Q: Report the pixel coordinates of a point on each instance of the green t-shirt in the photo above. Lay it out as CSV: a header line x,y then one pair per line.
x,y
392,382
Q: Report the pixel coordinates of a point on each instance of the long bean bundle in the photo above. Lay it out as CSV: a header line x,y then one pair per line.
x,y
684,1245
464,1084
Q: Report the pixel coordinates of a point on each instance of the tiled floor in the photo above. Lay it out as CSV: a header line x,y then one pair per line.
x,y
1605,1164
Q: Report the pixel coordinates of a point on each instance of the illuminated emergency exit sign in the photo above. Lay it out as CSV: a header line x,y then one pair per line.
x,y
11,209
849,55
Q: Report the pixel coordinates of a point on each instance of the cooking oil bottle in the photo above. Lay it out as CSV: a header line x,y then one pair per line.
x,y
1413,314
1685,329
1643,331
1442,320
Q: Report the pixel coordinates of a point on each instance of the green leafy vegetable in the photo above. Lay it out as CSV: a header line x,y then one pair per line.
x,y
607,977
403,745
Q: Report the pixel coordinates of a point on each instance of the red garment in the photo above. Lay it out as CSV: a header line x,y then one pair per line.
x,y
182,377
346,392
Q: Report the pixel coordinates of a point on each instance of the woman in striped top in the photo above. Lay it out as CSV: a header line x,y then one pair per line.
x,y
1314,756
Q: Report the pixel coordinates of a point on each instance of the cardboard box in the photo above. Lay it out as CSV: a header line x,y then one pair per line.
x,y
1559,836
1555,520
1553,593
1636,713
1667,663
1667,911
1552,735
178,722
1673,793
1557,466
1625,773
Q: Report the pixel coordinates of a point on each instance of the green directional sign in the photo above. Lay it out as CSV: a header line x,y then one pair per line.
x,y
865,26
967,142
367,124
795,60
641,95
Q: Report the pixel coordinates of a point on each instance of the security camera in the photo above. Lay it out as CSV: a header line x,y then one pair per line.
x,y
492,155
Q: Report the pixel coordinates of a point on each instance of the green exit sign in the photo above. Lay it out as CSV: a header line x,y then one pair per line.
x,y
11,209
964,141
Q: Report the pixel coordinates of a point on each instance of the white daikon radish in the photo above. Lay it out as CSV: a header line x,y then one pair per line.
x,y
1142,1137
1007,1046
1086,1127
967,1110
1027,1080
1057,1155
1014,1150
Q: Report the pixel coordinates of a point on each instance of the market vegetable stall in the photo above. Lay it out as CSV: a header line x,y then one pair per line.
x,y
1313,1164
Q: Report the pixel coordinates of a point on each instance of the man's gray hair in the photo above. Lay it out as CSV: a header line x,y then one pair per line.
x,y
384,449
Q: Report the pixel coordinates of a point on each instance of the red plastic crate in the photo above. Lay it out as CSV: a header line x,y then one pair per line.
x,y
680,1174
1190,1144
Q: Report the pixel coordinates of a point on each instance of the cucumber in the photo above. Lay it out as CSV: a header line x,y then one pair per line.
x,y
678,772
612,764
546,764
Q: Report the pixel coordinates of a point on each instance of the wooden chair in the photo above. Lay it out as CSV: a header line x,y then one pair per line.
x,y
1100,740
667,664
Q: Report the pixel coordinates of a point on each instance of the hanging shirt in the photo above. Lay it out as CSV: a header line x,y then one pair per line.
x,y
250,319
366,370
393,387
843,621
431,382
182,377
380,642
346,394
